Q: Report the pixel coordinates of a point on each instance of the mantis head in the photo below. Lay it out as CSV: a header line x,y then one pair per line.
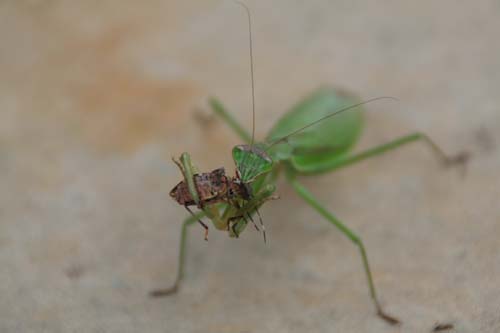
x,y
251,161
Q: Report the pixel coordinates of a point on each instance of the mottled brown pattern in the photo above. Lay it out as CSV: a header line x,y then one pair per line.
x,y
212,187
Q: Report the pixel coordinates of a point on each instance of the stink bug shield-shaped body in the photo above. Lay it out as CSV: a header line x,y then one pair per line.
x,y
205,190
210,187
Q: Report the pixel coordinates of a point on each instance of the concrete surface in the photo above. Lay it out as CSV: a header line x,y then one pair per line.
x,y
96,96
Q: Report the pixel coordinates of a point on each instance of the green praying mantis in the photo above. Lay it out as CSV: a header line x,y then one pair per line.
x,y
315,136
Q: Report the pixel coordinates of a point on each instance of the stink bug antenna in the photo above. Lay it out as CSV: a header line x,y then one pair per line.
x,y
335,113
251,66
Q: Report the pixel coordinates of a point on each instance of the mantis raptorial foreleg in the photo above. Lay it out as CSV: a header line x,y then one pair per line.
x,y
188,171
266,193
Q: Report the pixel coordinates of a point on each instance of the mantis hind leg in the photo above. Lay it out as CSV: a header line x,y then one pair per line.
x,y
220,110
459,159
182,258
311,200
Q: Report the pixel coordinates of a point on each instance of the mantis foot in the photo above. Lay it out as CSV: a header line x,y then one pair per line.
x,y
164,292
442,327
388,318
460,160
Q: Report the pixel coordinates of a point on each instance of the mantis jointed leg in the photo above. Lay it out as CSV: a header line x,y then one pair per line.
x,y
454,160
182,257
311,200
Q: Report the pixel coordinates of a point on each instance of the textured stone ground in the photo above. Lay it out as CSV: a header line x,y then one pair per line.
x,y
95,97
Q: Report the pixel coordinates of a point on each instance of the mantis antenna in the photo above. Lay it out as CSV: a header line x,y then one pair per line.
x,y
347,108
251,66
247,10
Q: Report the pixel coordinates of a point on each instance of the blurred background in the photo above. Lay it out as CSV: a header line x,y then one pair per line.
x,y
97,96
